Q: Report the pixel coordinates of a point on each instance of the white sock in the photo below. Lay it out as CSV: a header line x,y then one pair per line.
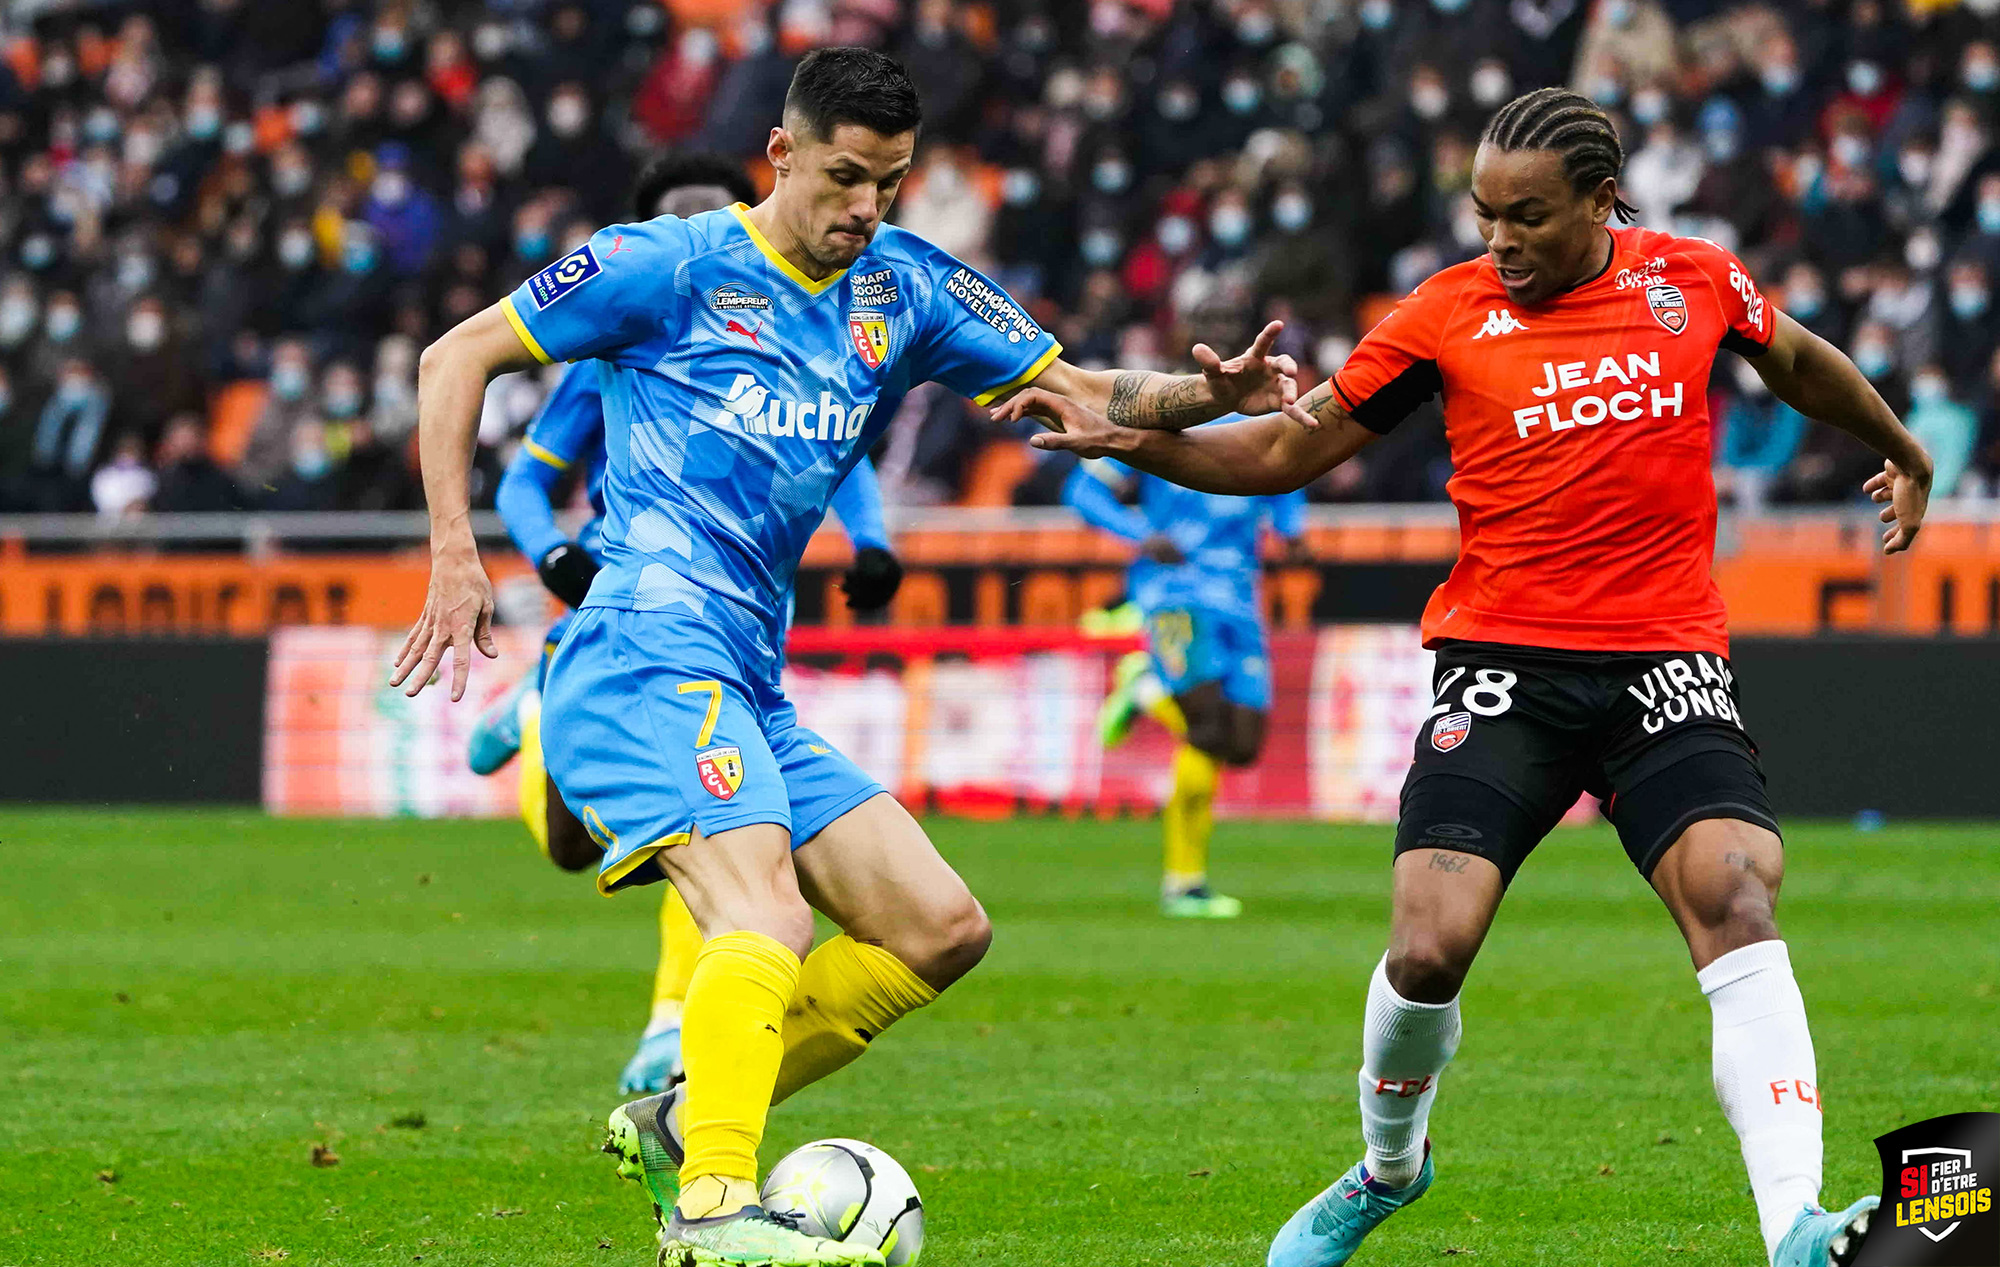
x,y
1404,1047
1766,1079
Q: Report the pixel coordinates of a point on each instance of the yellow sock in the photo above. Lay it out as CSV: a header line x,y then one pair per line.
x,y
534,777
849,992
732,1043
1168,713
680,943
1189,817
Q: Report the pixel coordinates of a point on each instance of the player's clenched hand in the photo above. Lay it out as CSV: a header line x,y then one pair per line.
x,y
1071,426
458,615
1255,382
1907,499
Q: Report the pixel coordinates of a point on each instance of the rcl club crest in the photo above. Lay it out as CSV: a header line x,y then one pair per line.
x,y
1670,307
1450,731
1937,1195
721,771
870,331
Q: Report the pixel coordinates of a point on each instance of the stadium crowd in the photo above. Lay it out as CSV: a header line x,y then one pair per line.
x,y
227,227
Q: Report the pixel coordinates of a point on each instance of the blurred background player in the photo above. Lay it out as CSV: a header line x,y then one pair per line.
x,y
1198,585
566,439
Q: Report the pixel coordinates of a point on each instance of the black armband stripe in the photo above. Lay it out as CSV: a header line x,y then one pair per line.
x,y
1742,345
1398,398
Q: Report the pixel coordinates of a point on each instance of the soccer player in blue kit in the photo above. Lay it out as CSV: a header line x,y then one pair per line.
x,y
1198,582
748,358
567,435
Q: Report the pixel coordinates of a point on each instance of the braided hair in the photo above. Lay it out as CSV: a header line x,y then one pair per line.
x,y
1571,125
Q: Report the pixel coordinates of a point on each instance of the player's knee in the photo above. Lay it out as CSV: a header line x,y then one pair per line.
x,y
1427,968
570,845
947,941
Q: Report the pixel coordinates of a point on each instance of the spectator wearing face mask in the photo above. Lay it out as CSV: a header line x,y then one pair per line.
x,y
1946,428
310,479
67,437
341,405
1805,298
1760,437
392,410
353,301
575,153
122,486
20,315
287,403
404,215
1971,324
1301,262
19,412
1904,302
288,282
154,376
1636,35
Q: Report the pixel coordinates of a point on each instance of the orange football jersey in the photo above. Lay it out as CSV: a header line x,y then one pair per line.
x,y
1580,442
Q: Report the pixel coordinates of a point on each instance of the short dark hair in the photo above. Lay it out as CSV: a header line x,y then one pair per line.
x,y
675,169
1568,124
833,86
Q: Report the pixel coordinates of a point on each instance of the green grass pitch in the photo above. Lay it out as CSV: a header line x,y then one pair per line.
x,y
191,1003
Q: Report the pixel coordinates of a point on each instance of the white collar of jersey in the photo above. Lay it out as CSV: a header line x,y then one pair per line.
x,y
779,262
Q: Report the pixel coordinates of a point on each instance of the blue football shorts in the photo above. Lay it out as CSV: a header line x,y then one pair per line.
x,y
1192,645
658,724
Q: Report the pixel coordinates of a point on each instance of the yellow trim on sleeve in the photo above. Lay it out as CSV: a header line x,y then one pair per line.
x,y
539,453
1042,362
637,858
521,329
778,261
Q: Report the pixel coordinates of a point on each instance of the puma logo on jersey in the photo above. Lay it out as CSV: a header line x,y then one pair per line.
x,y
1499,321
617,245
737,327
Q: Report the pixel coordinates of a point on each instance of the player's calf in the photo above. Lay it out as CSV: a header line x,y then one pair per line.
x,y
1720,880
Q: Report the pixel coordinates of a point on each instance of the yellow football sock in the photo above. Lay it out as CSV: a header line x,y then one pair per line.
x,y
1189,817
1167,712
680,943
849,992
534,777
732,1043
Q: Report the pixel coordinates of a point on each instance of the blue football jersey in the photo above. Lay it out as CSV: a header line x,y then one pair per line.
x,y
738,392
1217,533
568,434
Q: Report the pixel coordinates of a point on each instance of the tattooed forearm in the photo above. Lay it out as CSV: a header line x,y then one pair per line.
x,y
1159,402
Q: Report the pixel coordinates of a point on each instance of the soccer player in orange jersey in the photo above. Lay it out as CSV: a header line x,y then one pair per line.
x,y
1581,642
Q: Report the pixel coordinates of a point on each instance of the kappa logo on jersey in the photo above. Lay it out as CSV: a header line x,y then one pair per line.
x,y
736,297
991,305
721,771
874,290
1670,307
755,409
563,276
1450,731
870,331
1498,322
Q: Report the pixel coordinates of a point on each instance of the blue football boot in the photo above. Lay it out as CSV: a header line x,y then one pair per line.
x,y
1328,1229
654,1065
1819,1239
496,737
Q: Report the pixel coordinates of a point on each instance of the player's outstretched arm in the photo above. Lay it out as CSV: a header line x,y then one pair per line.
x,y
1254,457
1256,382
1816,378
451,385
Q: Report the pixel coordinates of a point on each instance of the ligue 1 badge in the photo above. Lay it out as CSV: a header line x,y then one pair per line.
x,y
1937,1195
1670,307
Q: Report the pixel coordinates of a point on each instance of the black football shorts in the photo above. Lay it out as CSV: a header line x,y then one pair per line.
x,y
1518,733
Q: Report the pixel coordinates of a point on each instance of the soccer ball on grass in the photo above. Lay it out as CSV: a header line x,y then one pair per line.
x,y
850,1192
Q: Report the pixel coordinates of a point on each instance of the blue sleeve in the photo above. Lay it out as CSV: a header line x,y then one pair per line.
x,y
523,502
613,291
858,503
1092,496
978,341
1287,512
568,429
